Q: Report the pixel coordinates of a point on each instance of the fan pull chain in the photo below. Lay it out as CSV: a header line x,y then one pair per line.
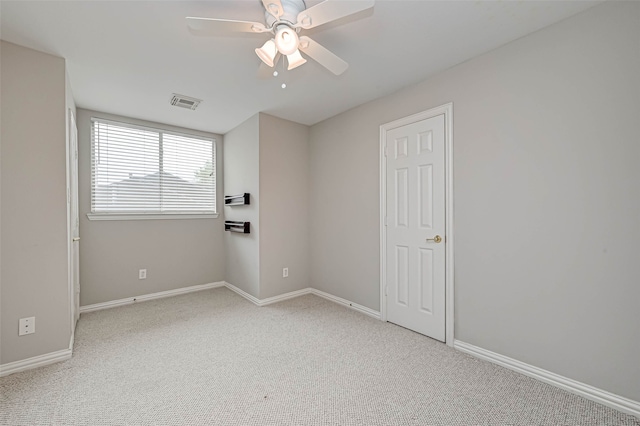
x,y
283,85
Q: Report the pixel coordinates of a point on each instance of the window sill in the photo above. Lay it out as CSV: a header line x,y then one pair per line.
x,y
149,216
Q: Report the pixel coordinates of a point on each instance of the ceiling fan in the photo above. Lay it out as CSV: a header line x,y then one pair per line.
x,y
284,19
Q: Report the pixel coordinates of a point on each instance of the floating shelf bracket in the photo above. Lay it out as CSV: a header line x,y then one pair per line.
x,y
237,200
234,226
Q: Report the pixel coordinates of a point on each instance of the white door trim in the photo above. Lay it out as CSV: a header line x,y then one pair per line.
x,y
447,110
71,123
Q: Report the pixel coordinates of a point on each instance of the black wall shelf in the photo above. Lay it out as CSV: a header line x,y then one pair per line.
x,y
241,227
237,200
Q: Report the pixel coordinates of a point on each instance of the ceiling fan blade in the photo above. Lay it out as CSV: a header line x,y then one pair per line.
x,y
330,10
213,26
274,7
322,56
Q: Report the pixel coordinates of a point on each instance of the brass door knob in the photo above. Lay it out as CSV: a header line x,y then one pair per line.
x,y
435,239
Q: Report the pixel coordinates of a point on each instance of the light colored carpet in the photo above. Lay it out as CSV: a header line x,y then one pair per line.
x,y
211,357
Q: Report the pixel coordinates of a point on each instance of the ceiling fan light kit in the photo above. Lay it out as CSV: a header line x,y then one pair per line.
x,y
285,19
286,40
267,52
295,60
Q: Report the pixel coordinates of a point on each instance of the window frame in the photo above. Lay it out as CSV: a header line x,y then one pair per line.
x,y
153,215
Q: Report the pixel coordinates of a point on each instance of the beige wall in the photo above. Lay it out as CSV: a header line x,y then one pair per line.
x,y
547,202
284,235
34,203
241,174
175,252
268,157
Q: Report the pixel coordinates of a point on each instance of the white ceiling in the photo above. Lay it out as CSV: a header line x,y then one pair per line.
x,y
128,57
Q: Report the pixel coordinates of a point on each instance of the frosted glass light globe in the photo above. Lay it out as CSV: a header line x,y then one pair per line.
x,y
286,40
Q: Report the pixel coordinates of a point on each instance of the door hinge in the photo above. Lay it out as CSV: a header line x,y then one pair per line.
x,y
68,195
385,221
385,150
386,290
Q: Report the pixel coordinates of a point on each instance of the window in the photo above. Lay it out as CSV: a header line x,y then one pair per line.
x,y
141,172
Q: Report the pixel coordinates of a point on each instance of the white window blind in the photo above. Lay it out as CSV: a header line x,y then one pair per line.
x,y
140,170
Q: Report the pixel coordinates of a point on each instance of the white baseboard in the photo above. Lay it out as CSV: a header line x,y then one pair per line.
x,y
587,391
285,296
269,300
34,362
348,304
242,293
145,297
253,299
339,300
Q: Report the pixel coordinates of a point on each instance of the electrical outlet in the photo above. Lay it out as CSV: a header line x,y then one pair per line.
x,y
27,326
142,274
285,272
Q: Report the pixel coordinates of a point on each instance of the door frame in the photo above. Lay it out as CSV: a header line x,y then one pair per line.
x,y
447,110
71,192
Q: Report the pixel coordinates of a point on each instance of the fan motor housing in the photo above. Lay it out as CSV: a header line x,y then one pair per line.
x,y
291,10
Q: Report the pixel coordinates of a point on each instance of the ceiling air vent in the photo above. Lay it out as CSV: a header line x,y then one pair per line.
x,y
185,101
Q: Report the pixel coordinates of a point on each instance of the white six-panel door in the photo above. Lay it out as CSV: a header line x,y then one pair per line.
x,y
415,231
